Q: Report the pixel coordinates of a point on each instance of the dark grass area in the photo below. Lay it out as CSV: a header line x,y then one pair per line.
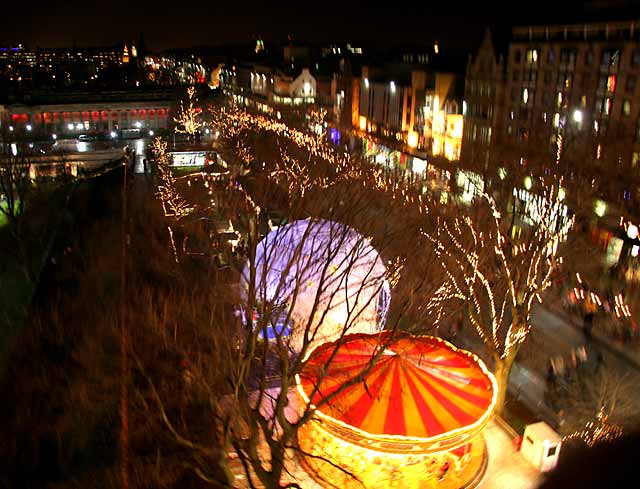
x,y
42,217
60,422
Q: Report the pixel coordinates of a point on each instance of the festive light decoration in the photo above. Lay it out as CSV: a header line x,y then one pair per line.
x,y
422,405
173,204
232,122
319,278
187,118
525,269
598,431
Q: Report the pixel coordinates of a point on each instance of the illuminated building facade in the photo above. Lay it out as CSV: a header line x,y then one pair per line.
x,y
414,420
419,109
564,94
268,86
104,112
484,86
17,55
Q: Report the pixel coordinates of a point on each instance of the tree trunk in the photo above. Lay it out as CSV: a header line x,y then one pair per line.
x,y
501,372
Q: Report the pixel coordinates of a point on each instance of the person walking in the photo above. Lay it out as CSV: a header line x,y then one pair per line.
x,y
588,322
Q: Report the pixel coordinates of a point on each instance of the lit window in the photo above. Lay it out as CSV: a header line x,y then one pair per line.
x,y
532,56
525,96
626,107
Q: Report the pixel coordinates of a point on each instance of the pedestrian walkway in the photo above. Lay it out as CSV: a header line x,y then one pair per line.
x,y
506,467
630,352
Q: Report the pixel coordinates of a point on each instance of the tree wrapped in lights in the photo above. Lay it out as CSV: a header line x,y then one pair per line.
x,y
188,118
173,204
496,277
597,404
251,403
597,431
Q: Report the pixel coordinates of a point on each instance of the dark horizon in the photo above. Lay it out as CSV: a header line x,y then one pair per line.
x,y
43,24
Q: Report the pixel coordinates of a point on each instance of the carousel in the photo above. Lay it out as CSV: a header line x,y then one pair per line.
x,y
412,418
317,278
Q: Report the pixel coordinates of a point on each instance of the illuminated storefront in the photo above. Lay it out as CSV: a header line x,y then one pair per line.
x,y
415,420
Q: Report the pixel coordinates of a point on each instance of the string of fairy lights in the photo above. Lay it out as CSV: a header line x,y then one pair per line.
x,y
232,122
465,279
187,120
540,253
600,430
173,204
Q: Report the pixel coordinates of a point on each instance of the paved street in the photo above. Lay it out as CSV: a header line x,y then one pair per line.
x,y
554,335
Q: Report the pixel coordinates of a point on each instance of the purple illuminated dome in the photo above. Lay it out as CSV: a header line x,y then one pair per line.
x,y
324,276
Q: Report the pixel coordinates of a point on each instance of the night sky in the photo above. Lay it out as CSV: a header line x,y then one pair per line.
x,y
185,24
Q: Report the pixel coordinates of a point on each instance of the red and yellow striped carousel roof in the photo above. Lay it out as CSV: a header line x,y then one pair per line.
x,y
419,387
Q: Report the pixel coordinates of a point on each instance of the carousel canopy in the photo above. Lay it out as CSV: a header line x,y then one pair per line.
x,y
419,387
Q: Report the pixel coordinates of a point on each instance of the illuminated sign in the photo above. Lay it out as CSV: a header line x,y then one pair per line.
x,y
189,158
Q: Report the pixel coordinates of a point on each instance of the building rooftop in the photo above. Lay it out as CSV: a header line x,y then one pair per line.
x,y
579,31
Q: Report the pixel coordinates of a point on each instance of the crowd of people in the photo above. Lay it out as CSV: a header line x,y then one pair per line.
x,y
562,372
608,312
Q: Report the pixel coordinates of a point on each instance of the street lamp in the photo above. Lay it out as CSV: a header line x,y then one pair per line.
x,y
29,127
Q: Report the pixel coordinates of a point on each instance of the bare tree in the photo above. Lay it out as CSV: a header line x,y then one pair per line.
x,y
16,187
496,275
598,406
317,278
188,118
